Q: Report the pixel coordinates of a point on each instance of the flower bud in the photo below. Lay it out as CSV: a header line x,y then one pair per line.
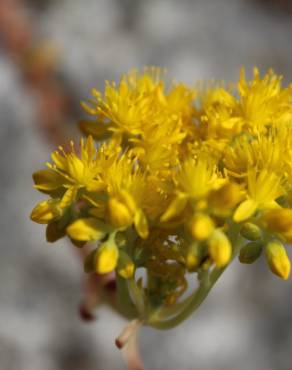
x,y
201,226
193,256
45,212
250,252
119,214
279,220
250,231
106,257
224,199
219,248
277,259
126,266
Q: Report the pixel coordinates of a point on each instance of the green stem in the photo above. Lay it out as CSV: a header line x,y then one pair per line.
x,y
136,295
186,308
124,305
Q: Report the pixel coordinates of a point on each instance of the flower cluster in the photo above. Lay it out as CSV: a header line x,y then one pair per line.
x,y
178,181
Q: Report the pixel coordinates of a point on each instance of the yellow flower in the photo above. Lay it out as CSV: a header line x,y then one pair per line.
x,y
174,172
125,186
126,108
263,188
217,114
270,151
69,172
198,177
194,180
262,100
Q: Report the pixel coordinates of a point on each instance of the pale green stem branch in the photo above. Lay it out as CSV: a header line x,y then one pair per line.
x,y
184,309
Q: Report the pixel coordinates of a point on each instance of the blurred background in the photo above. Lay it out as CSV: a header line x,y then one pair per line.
x,y
52,52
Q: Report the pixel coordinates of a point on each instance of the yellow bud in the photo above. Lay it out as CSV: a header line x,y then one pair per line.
x,y
106,257
126,266
279,220
119,214
250,231
193,256
250,252
46,211
277,259
201,226
225,198
219,248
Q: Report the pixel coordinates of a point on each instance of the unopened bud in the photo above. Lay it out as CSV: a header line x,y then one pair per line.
x,y
45,212
219,248
193,257
250,252
277,259
279,220
126,266
250,231
119,214
201,226
106,257
224,199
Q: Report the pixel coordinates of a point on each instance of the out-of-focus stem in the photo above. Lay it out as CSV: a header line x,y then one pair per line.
x,y
131,353
160,319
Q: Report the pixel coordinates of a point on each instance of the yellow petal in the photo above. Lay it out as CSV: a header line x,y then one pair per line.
x,y
128,201
175,208
59,160
245,210
86,229
69,197
76,168
47,180
141,224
